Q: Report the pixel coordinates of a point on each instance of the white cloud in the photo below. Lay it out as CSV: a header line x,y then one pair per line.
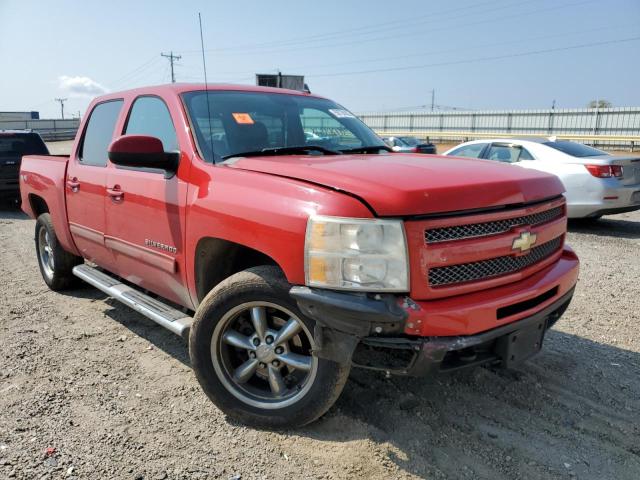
x,y
79,86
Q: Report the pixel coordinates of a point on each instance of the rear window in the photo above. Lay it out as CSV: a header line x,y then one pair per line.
x,y
575,149
472,151
99,133
19,144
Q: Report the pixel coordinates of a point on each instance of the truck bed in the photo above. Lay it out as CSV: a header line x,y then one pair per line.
x,y
42,181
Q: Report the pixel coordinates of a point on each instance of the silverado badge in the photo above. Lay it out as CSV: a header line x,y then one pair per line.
x,y
524,242
161,246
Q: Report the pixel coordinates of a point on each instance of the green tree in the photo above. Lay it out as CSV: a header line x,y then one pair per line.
x,y
599,104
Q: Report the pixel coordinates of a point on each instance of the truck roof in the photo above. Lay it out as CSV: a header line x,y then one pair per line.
x,y
178,88
13,131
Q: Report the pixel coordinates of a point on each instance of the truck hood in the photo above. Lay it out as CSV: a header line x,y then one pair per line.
x,y
405,184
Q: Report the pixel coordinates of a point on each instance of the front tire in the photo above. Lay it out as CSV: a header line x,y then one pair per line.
x,y
251,351
56,264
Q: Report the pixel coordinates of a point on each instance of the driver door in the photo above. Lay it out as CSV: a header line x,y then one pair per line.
x,y
145,211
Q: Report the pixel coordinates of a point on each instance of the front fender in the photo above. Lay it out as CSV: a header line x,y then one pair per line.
x,y
264,212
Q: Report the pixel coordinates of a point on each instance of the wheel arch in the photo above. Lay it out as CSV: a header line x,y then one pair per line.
x,y
38,205
217,259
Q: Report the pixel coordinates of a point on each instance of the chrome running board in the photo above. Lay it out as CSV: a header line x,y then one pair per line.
x,y
168,317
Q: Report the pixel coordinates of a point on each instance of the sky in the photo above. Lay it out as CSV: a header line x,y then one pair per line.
x,y
367,55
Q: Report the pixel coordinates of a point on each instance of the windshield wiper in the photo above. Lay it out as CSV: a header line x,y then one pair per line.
x,y
265,152
367,149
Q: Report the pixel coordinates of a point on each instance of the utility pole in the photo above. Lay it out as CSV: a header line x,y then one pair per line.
x,y
433,99
553,105
61,100
172,58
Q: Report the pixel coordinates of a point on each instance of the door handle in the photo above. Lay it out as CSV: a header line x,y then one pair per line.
x,y
73,184
115,193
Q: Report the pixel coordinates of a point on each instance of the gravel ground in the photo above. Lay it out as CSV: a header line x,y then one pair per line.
x,y
91,389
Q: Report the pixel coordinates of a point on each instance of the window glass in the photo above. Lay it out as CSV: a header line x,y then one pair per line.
x,y
227,123
471,151
525,155
325,127
14,145
99,133
411,141
150,116
503,153
575,149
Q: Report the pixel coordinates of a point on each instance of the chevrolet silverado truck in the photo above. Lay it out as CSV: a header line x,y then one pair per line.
x,y
286,258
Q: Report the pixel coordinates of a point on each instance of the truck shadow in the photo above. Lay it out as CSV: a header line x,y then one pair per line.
x,y
572,410
141,326
609,227
10,211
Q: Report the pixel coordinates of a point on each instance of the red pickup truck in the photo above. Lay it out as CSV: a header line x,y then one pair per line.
x,y
279,234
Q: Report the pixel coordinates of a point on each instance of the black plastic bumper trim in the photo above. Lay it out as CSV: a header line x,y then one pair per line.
x,y
350,313
430,352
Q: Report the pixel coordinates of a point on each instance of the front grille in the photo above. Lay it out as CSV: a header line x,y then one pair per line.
x,y
468,272
473,230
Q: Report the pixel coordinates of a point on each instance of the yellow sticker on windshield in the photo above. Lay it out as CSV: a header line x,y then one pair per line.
x,y
243,118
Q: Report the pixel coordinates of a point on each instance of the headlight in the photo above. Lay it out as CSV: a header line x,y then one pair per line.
x,y
356,254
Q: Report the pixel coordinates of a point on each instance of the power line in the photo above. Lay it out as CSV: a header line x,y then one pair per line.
x,y
135,72
61,100
376,28
476,60
172,58
467,47
448,28
435,52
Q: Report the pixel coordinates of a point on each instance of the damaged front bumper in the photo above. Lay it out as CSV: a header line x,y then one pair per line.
x,y
376,340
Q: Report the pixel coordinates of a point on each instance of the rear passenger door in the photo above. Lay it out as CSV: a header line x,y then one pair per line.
x,y
145,211
86,181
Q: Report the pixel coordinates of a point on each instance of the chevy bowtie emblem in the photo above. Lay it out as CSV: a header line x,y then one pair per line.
x,y
524,242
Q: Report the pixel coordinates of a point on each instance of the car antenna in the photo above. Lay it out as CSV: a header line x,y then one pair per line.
x,y
206,84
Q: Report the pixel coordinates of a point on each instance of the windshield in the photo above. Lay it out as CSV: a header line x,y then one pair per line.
x,y
234,123
411,141
575,149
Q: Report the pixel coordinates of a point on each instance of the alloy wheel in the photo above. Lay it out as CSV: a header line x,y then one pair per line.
x,y
262,354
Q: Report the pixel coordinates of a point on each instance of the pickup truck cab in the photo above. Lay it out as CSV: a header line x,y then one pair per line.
x,y
286,258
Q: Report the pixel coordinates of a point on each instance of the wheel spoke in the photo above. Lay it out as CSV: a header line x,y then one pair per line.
x,y
259,320
245,371
294,360
290,329
275,381
237,340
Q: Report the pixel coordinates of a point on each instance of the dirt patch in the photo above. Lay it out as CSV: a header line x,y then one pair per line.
x,y
111,395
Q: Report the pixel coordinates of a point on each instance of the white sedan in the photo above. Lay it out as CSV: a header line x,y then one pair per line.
x,y
596,182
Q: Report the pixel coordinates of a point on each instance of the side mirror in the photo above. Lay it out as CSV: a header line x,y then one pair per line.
x,y
142,151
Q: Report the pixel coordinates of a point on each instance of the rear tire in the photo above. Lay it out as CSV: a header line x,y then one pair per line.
x,y
56,264
250,348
